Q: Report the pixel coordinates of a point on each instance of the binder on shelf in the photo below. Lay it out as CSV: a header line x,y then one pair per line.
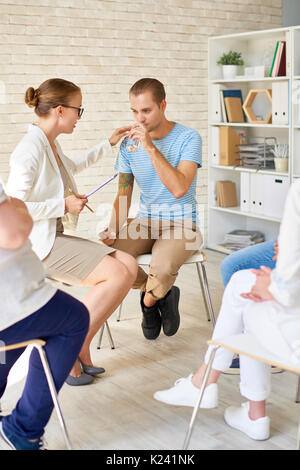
x,y
257,193
234,109
280,102
215,145
216,110
229,140
245,191
226,194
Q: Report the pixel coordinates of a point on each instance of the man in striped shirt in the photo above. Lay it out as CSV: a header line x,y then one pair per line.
x,y
164,167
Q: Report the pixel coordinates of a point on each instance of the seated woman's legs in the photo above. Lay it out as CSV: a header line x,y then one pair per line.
x,y
248,258
111,280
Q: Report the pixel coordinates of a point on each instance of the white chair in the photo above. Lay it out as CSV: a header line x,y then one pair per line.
x,y
38,344
242,344
199,259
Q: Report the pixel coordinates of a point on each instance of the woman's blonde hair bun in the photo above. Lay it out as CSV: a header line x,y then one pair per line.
x,y
31,97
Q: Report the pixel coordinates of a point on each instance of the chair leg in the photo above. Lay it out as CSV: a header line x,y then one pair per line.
x,y
297,399
197,405
207,294
119,311
53,393
100,336
203,292
111,341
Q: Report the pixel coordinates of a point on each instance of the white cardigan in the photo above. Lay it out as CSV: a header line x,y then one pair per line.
x,y
35,178
285,285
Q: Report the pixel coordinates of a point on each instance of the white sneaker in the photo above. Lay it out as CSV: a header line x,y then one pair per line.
x,y
184,393
238,418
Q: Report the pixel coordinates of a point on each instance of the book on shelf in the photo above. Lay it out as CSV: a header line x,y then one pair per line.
x,y
278,68
232,109
226,194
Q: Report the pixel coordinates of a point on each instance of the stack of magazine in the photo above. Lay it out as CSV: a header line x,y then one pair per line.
x,y
238,239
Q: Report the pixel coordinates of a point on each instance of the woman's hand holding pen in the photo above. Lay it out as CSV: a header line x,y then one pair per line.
x,y
75,203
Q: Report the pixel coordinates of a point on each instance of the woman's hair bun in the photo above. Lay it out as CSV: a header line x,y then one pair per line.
x,y
31,98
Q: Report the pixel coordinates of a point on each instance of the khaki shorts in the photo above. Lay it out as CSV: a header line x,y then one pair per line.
x,y
72,259
171,244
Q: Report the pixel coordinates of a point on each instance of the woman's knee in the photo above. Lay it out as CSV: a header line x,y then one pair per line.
x,y
130,264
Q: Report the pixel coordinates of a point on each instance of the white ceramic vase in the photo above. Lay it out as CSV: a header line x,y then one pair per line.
x,y
229,71
281,164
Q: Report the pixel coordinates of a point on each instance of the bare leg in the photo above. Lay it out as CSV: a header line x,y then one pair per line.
x,y
111,280
197,379
257,409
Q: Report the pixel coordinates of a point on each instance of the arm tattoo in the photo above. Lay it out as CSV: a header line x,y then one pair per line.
x,y
125,181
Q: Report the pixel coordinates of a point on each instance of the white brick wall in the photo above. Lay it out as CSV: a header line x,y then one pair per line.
x,y
104,46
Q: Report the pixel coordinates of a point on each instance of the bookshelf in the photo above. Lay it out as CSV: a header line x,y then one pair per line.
x,y
257,49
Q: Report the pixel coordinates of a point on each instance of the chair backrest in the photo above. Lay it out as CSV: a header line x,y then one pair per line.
x,y
247,345
23,344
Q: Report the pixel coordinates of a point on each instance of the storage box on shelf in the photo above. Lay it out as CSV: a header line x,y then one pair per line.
x,y
261,194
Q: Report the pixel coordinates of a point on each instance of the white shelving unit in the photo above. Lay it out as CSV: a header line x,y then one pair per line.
x,y
257,48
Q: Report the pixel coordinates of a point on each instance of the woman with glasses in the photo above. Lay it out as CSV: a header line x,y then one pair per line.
x,y
43,177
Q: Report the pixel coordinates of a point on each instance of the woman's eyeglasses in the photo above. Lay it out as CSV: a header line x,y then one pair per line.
x,y
79,110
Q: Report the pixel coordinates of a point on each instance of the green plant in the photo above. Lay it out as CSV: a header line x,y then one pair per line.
x,y
231,58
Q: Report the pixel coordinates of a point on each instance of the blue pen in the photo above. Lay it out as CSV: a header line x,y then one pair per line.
x,y
101,185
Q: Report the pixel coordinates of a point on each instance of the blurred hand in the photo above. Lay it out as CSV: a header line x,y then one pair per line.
x,y
119,134
75,204
107,237
260,290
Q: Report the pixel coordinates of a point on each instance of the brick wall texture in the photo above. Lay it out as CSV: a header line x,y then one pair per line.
x,y
104,46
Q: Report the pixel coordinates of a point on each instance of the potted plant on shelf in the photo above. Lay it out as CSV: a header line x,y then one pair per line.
x,y
230,62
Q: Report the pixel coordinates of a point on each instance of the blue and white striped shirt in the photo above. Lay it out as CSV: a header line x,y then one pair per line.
x,y
156,201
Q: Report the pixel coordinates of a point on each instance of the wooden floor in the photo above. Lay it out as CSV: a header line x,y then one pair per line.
x,y
118,412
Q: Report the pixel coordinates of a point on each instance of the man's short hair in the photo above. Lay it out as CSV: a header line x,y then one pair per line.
x,y
149,84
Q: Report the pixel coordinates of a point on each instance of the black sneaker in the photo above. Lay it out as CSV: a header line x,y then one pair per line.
x,y
151,324
168,307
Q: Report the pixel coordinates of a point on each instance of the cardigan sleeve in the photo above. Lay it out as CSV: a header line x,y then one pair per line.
x,y
285,278
88,158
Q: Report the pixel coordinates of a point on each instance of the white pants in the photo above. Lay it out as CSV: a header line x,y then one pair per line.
x,y
259,318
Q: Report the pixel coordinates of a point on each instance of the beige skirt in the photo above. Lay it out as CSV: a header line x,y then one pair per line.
x,y
72,259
